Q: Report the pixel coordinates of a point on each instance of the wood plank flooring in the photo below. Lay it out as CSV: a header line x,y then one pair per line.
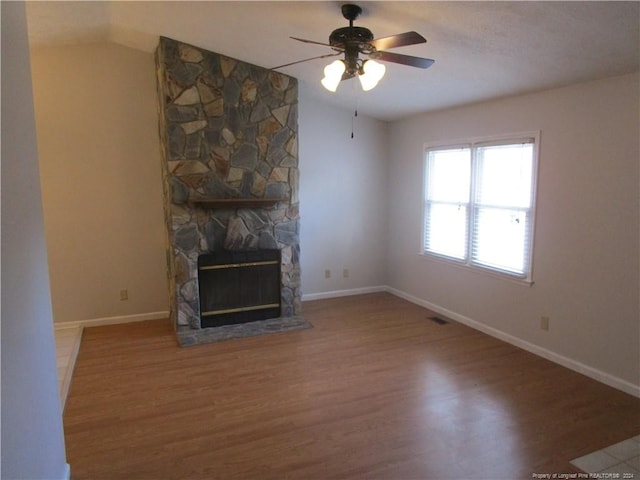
x,y
374,391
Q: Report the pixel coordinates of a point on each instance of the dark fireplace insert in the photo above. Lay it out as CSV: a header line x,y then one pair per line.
x,y
238,287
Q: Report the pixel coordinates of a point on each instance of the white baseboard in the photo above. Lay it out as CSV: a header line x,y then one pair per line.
x,y
343,293
97,322
574,365
67,472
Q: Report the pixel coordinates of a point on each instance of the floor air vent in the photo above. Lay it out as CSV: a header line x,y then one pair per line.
x,y
438,320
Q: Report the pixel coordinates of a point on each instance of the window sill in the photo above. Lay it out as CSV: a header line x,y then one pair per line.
x,y
477,270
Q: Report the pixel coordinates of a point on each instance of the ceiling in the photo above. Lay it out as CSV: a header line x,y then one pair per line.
x,y
483,50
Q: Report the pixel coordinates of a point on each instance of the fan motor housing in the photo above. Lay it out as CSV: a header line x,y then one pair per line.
x,y
342,36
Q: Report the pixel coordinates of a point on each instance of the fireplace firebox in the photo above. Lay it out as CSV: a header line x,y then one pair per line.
x,y
238,286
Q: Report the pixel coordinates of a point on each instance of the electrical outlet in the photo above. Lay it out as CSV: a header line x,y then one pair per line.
x,y
544,323
327,273
345,273
124,294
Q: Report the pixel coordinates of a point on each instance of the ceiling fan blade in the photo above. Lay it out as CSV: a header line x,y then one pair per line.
x,y
400,40
311,41
308,59
405,59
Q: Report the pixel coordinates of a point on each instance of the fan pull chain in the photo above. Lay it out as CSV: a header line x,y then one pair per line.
x,y
355,114
353,120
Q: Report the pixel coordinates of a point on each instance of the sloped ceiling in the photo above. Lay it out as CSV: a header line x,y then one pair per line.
x,y
483,50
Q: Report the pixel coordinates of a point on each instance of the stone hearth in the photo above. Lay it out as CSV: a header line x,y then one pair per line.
x,y
228,132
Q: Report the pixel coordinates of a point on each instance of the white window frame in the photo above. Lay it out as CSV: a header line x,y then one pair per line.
x,y
474,144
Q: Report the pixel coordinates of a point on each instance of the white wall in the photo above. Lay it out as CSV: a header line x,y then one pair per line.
x,y
32,437
343,198
586,249
97,126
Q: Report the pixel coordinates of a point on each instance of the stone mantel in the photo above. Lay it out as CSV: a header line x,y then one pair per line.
x,y
236,202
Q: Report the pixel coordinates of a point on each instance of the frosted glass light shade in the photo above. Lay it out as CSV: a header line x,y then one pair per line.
x,y
373,72
332,75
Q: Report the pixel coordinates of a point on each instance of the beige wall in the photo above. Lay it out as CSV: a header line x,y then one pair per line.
x,y
586,249
97,129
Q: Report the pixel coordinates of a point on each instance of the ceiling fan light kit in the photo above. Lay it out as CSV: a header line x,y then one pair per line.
x,y
353,41
369,74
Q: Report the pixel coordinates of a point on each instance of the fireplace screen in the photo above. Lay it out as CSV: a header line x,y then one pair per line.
x,y
238,287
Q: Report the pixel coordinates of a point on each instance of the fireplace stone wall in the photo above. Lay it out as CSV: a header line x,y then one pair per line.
x,y
228,130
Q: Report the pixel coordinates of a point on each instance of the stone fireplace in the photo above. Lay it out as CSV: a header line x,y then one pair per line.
x,y
229,139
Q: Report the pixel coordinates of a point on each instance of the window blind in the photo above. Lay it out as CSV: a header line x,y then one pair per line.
x,y
502,206
447,192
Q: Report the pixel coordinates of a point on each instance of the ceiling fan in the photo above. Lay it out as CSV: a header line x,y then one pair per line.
x,y
353,41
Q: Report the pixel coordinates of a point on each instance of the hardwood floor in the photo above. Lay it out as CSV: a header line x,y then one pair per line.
x,y
374,391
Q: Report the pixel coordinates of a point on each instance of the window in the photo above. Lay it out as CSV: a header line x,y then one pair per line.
x,y
479,201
